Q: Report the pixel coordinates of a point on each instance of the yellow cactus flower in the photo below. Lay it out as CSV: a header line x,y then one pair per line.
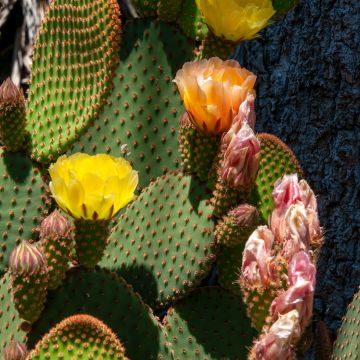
x,y
212,91
92,187
236,20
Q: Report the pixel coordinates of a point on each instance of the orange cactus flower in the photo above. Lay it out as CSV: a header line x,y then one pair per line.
x,y
212,91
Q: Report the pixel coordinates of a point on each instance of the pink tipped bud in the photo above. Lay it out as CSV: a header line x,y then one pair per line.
x,y
246,114
9,91
300,294
15,351
241,159
55,225
278,343
245,215
258,267
26,259
294,230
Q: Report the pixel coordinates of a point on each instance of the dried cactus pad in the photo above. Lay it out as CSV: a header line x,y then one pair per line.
x,y
79,337
75,56
142,114
9,318
23,201
347,344
109,298
209,324
163,244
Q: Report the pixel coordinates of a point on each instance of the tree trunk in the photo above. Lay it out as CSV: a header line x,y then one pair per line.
x,y
308,93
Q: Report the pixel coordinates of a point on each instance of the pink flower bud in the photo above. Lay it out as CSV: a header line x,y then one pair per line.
x,y
258,267
26,259
286,192
300,294
9,92
55,224
246,114
294,230
245,215
241,159
278,343
15,351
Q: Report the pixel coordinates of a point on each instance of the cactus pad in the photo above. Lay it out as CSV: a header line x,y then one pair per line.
x,y
81,337
191,21
166,235
142,112
209,324
23,201
229,263
346,346
276,160
107,297
10,321
74,59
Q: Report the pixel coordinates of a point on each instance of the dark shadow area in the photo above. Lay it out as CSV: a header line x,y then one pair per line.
x,y
109,298
142,280
199,317
17,165
169,35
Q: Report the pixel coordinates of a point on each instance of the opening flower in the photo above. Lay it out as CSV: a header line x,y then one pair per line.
x,y
236,20
242,159
212,91
92,187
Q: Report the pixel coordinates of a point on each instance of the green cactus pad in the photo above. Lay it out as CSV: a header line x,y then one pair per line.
x,y
347,346
75,56
191,21
209,324
197,151
10,321
276,160
23,201
107,297
145,8
229,263
79,336
144,108
163,244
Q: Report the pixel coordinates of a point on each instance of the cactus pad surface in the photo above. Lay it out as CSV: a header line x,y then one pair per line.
x,y
74,59
142,114
9,318
108,297
209,324
81,337
163,244
23,201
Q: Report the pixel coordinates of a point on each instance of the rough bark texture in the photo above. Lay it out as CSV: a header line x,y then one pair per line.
x,y
308,93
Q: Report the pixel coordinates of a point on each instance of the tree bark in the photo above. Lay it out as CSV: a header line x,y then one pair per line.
x,y
308,93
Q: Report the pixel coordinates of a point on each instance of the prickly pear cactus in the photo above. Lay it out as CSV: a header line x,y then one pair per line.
x,y
152,208
347,343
